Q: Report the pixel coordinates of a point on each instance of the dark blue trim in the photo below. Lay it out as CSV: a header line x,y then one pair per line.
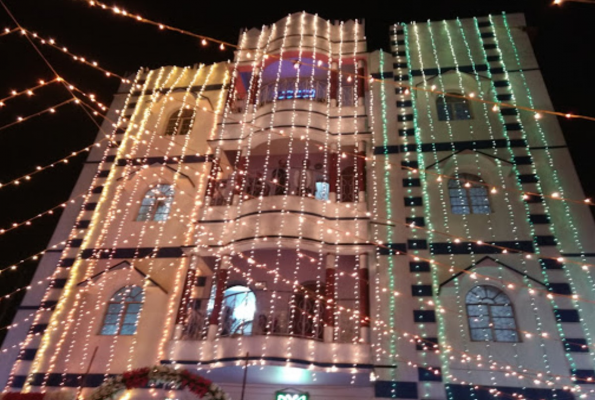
x,y
39,328
97,189
500,84
427,375
218,221
485,35
27,354
399,65
421,290
528,178
493,58
90,206
76,243
419,266
188,159
382,75
83,224
483,24
404,103
451,146
269,358
473,247
470,69
504,96
401,78
405,117
546,240
411,182
417,244
464,392
560,288
567,315
395,390
422,316
397,42
575,345
549,263
426,344
410,164
489,46
407,132
58,283
508,111
413,201
417,221
522,160
391,249
162,252
584,376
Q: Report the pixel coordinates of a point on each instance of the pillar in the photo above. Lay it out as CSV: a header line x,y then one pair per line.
x,y
361,82
334,165
364,298
241,176
186,298
361,171
212,180
220,282
334,83
329,294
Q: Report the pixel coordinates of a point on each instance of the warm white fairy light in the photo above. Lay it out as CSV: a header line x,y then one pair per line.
x,y
55,317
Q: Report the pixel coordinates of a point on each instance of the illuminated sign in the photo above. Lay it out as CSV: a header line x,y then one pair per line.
x,y
291,396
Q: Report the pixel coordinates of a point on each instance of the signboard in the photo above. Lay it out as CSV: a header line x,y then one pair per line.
x,y
281,395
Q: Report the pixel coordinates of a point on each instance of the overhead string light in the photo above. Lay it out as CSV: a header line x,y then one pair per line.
x,y
222,44
53,325
86,267
49,110
29,92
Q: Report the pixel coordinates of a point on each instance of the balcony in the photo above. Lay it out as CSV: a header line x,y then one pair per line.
x,y
281,313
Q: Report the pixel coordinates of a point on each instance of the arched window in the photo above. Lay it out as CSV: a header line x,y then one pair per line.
x,y
490,314
179,122
156,203
123,311
452,108
468,195
239,307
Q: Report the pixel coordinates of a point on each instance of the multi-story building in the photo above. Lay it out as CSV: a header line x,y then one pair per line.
x,y
313,218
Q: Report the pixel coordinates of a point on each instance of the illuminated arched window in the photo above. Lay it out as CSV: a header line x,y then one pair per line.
x,y
490,314
156,204
468,195
239,307
179,122
452,108
123,311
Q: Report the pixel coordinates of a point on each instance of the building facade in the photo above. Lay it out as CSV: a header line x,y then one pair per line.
x,y
313,219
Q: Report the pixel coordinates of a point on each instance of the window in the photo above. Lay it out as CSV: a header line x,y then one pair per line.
x,y
452,108
468,195
123,311
239,306
490,314
156,203
179,122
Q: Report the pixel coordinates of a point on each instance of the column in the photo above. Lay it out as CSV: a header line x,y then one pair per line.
x,y
329,294
361,82
334,165
364,298
361,171
212,181
334,83
220,282
241,176
186,298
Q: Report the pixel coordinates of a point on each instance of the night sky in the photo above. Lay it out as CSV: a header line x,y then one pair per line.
x,y
563,39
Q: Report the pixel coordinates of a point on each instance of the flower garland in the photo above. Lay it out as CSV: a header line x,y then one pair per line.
x,y
159,375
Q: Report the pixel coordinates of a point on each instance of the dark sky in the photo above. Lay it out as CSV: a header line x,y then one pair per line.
x,y
563,38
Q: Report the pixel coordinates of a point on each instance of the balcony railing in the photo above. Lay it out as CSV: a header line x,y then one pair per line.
x,y
275,313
